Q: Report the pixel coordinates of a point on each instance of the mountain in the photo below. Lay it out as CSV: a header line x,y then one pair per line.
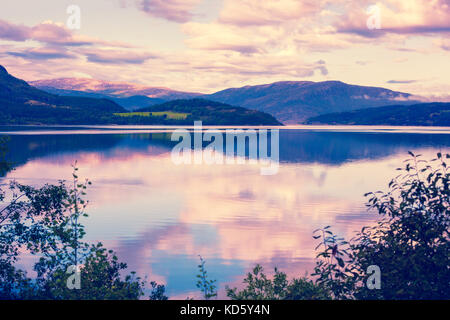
x,y
22,103
288,101
130,96
130,103
212,113
424,114
295,101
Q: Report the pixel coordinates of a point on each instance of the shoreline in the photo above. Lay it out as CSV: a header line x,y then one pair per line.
x,y
134,129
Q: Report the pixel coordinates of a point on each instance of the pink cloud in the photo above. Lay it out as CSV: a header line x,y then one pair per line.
x,y
9,31
205,36
444,44
45,53
172,10
56,34
256,12
397,17
50,33
116,57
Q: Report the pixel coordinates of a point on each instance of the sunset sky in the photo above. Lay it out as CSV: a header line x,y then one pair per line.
x,y
209,45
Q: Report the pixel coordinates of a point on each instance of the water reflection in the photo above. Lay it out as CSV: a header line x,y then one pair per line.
x,y
295,146
159,217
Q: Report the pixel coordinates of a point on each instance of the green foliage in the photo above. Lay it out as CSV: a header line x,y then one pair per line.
x,y
206,286
163,114
411,243
158,292
259,287
24,225
99,279
45,221
211,113
306,289
331,270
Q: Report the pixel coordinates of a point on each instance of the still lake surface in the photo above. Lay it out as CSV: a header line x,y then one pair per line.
x,y
159,216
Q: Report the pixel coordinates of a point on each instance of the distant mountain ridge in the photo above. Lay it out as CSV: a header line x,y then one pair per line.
x,y
290,102
295,101
424,114
116,89
22,103
129,96
130,103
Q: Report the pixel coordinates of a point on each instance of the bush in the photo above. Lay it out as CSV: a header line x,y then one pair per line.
x,y
410,244
259,287
99,280
46,222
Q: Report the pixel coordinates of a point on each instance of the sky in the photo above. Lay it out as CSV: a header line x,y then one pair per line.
x,y
209,45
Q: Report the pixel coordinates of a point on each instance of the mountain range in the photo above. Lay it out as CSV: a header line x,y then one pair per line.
x,y
295,101
21,103
130,96
89,101
290,102
118,89
423,114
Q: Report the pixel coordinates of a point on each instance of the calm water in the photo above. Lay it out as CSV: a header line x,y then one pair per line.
x,y
159,217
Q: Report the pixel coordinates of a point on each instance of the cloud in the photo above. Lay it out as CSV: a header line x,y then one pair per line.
x,y
116,57
217,36
256,12
443,44
51,33
401,81
172,10
246,42
253,26
46,32
244,66
9,31
46,53
396,17
56,38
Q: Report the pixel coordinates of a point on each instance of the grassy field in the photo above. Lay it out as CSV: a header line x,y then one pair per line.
x,y
168,114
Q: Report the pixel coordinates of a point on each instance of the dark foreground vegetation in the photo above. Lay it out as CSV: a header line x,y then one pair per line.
x,y
409,246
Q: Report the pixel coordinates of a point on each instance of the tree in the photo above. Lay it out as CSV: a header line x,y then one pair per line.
x,y
410,244
99,279
46,221
259,287
158,292
206,286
